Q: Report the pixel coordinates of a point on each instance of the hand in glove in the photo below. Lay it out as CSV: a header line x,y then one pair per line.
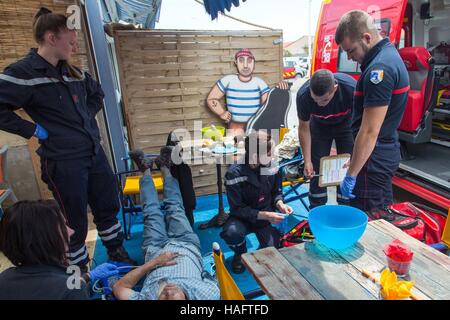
x,y
105,270
40,132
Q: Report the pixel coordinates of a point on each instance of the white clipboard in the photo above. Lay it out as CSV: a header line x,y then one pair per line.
x,y
332,172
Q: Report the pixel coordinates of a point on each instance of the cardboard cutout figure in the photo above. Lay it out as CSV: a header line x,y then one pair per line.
x,y
244,93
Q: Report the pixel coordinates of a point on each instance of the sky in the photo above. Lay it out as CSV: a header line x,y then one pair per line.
x,y
289,15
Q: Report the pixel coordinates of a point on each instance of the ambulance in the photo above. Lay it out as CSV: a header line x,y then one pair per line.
x,y
420,30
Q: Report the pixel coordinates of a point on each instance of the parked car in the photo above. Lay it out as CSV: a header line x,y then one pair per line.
x,y
302,72
292,69
304,63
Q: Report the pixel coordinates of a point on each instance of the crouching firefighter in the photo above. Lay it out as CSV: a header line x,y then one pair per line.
x,y
254,193
63,102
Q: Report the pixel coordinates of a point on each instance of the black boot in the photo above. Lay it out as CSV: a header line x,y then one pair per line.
x,y
236,265
119,254
165,157
140,160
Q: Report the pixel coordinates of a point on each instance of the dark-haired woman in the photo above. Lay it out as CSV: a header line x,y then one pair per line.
x,y
63,102
34,236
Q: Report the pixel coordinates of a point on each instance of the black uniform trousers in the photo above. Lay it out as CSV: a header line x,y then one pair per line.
x,y
321,141
373,189
76,183
235,230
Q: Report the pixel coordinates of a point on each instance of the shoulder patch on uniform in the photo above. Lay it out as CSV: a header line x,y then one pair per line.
x,y
376,76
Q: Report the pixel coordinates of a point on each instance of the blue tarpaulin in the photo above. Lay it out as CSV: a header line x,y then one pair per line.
x,y
213,7
144,12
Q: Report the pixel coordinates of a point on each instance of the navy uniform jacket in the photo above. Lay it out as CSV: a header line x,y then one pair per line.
x,y
249,192
39,283
64,106
336,114
384,81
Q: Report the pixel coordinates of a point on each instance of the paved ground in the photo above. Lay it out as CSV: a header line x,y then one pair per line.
x,y
292,115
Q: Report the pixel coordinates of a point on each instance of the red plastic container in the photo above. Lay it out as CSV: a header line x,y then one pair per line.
x,y
401,268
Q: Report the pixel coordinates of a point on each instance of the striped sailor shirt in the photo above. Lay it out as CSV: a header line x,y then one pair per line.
x,y
243,98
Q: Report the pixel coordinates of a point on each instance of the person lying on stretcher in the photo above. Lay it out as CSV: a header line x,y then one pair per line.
x,y
173,268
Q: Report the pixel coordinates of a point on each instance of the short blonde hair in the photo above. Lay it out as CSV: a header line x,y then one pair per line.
x,y
353,25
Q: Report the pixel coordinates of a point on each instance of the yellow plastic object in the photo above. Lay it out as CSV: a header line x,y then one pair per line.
x,y
288,183
441,125
440,93
283,131
446,233
228,288
392,289
132,184
215,133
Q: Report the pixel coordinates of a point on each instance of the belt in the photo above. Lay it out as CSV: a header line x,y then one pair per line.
x,y
382,140
386,143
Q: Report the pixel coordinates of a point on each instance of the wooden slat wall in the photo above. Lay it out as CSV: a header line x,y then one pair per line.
x,y
167,75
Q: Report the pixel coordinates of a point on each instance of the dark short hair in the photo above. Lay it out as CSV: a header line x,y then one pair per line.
x,y
257,138
34,233
322,82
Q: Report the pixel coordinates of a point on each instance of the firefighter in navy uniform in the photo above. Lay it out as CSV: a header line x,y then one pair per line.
x,y
324,107
380,101
63,102
254,193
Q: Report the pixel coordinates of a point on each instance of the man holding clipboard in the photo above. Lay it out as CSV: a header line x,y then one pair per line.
x,y
380,100
324,107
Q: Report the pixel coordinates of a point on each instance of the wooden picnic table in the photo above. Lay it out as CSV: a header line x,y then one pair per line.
x,y
311,271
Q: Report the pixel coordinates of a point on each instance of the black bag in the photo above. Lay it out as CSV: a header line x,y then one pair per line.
x,y
183,174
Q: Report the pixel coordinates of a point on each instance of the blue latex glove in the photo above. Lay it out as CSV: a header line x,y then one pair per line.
x,y
103,271
347,186
40,132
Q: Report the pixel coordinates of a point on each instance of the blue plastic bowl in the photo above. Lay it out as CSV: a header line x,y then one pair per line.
x,y
337,227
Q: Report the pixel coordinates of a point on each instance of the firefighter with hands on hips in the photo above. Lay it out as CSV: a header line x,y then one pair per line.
x,y
324,108
63,102
244,93
380,100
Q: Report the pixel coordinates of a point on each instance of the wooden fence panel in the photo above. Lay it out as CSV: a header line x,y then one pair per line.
x,y
166,76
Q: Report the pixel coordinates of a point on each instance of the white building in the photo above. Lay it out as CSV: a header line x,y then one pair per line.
x,y
298,47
